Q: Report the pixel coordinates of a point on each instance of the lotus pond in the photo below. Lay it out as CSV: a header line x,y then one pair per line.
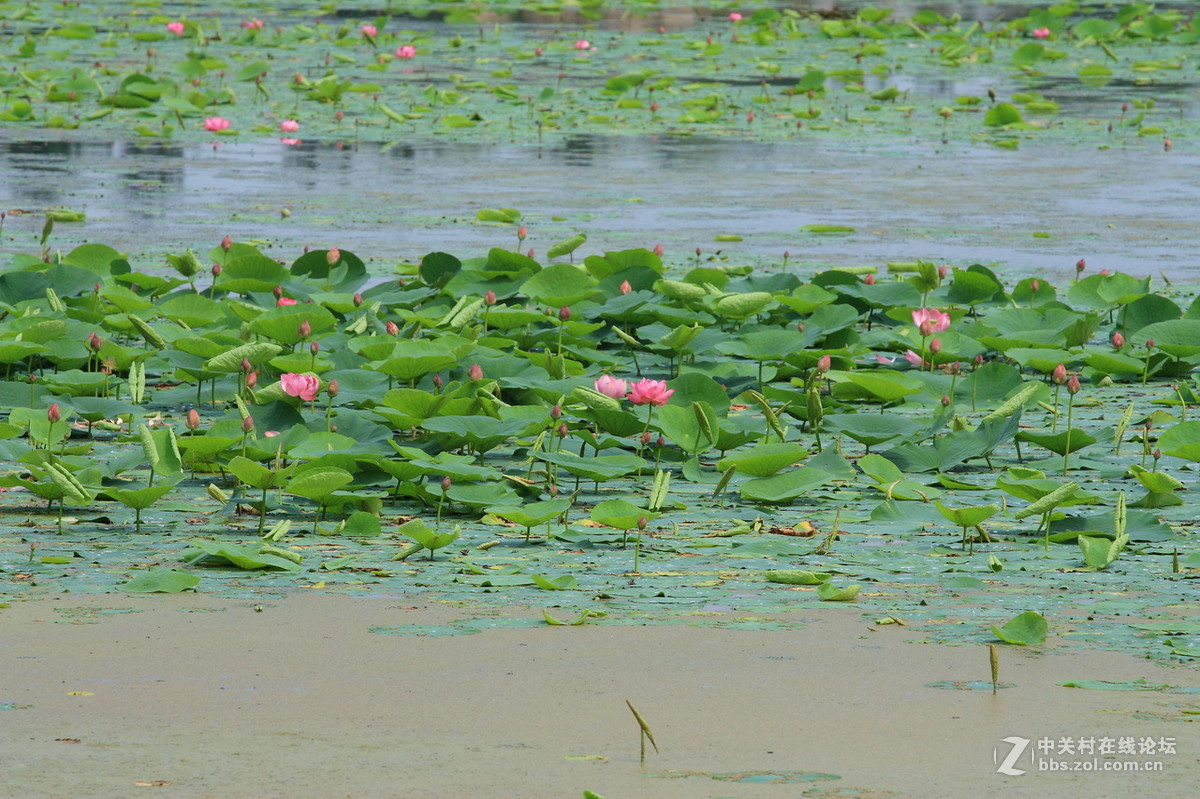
x,y
1007,451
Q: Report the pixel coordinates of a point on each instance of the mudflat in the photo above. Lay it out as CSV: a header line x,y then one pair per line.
x,y
316,695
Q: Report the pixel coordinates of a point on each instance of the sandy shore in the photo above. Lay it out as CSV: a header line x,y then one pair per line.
x,y
294,696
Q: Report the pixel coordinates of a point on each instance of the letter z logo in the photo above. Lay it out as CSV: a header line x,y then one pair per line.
x,y
1019,745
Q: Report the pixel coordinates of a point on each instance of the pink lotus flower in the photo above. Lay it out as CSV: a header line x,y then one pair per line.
x,y
284,301
289,126
883,358
176,28
650,392
583,44
938,321
658,248
270,433
1040,33
869,279
611,386
370,31
253,24
913,358
214,124
735,16
303,386
406,51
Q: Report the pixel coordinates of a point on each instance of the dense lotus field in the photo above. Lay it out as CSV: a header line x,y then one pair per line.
x,y
921,439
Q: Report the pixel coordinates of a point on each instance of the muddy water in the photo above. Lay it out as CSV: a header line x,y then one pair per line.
x,y
1128,208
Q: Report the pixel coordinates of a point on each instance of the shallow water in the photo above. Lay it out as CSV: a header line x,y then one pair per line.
x,y
1128,208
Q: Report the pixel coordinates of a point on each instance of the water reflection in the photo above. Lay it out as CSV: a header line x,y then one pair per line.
x,y
1126,208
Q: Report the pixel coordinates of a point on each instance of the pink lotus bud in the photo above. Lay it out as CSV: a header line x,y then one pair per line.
x,y
658,248
556,412
824,364
357,300
564,313
642,522
305,329
1157,454
1118,341
298,79
278,292
246,365
475,372
625,287
438,382
979,359
1035,285
522,232
654,106
333,389
333,256
646,438
749,116
926,327
339,115
54,413
943,271
945,400
935,346
1073,385
314,348
193,419
369,31
248,425
537,51
1080,265
489,298
1059,375
562,430
662,442
251,379
869,279
227,242
530,254
391,329
216,270
1149,343
553,490
446,483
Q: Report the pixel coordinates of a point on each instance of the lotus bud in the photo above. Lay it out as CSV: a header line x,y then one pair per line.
x,y
391,329
446,483
926,328
625,287
333,256
654,106
1059,375
1150,343
438,382
94,342
979,359
248,425
553,490
333,389
54,413
277,291
357,300
1080,265
642,522
246,366
227,243
562,430
96,288
339,115
193,419
530,253
305,329
216,270
662,442
1157,454
869,279
1118,341
824,364
658,250
564,313
314,348
1073,385
935,346
489,298
943,270
475,372
645,438
1035,285
556,412
251,379
522,232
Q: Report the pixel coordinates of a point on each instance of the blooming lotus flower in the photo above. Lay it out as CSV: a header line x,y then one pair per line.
x,y
1040,33
176,28
406,51
284,301
913,358
289,126
253,24
611,386
650,392
214,124
303,386
735,16
937,320
370,31
582,44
